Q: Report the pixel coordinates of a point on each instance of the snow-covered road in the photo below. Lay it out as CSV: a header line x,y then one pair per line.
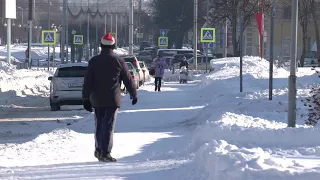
x,y
146,136
203,130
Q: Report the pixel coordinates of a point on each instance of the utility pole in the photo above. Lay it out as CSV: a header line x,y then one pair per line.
x,y
105,23
8,40
139,23
131,28
195,33
225,54
292,101
96,47
49,25
271,51
63,30
241,48
88,34
67,33
116,30
262,32
111,19
30,18
207,44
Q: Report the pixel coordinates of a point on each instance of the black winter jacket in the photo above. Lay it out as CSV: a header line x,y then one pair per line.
x,y
103,80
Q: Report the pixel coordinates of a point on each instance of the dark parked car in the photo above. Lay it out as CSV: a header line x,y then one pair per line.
x,y
144,44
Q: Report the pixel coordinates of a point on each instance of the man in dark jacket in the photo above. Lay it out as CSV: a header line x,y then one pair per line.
x,y
101,91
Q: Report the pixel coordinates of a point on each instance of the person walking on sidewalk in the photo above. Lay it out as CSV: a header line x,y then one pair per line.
x,y
101,92
159,65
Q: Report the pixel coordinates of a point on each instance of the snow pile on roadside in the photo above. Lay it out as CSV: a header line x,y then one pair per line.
x,y
193,75
243,136
14,82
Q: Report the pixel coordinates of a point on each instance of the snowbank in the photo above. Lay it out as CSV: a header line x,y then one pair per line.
x,y
14,82
243,136
193,75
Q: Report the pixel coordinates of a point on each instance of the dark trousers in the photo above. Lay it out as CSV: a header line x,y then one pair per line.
x,y
105,120
157,83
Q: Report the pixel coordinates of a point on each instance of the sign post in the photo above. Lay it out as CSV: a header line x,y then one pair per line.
x,y
208,36
10,13
49,38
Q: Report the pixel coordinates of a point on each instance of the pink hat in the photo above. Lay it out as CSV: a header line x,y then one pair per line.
x,y
108,40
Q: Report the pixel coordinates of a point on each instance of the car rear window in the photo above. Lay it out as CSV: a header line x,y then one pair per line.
x,y
76,71
129,59
130,66
141,65
145,53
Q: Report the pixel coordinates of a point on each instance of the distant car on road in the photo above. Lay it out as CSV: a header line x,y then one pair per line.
x,y
144,44
145,56
135,62
144,70
66,85
134,74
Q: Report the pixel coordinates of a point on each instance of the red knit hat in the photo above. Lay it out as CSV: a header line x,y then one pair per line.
x,y
108,40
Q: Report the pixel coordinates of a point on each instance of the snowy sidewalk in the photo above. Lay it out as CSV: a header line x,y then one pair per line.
x,y
146,135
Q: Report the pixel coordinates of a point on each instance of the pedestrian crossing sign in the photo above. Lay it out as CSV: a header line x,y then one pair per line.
x,y
48,37
208,35
78,39
163,41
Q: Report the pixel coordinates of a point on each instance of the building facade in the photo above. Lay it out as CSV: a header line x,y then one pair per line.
x,y
282,36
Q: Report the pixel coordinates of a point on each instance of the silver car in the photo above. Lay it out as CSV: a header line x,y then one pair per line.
x,y
66,85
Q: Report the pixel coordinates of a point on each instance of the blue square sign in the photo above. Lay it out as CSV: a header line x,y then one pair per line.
x,y
164,32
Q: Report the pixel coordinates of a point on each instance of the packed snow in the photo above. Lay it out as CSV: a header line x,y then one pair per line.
x,y
203,130
15,83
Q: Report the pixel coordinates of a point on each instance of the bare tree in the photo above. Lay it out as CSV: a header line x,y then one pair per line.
x,y
231,10
304,14
314,13
303,17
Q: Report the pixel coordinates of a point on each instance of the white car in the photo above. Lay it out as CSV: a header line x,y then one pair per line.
x,y
144,70
66,85
135,62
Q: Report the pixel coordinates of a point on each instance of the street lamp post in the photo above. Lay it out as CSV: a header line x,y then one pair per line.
x,y
22,22
292,99
73,32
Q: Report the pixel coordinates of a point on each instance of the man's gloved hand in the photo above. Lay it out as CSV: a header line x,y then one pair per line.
x,y
87,104
134,101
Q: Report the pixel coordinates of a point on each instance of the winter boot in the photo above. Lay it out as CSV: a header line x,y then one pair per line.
x,y
97,154
156,88
107,158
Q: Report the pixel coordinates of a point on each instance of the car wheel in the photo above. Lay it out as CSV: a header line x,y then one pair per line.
x,y
55,107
